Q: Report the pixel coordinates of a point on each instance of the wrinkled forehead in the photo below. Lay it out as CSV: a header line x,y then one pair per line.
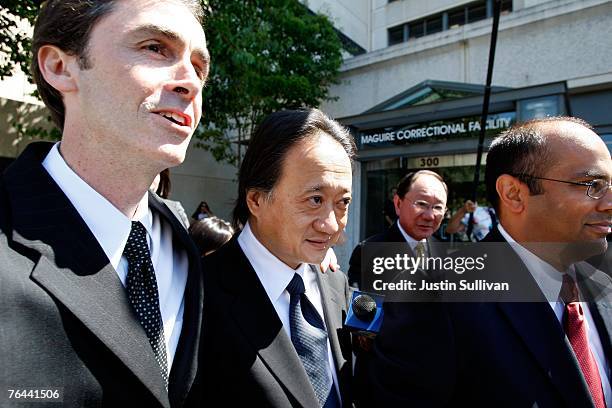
x,y
428,186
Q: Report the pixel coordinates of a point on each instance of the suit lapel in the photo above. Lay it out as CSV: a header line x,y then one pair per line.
x,y
537,326
539,329
255,315
332,309
602,315
394,234
184,366
596,286
333,303
99,301
72,267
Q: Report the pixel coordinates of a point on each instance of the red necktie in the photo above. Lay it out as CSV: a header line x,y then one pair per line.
x,y
575,326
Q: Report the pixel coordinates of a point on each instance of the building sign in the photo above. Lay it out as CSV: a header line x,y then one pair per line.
x,y
453,160
440,130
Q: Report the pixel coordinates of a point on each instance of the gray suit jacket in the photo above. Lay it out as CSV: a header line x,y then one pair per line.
x,y
65,320
247,357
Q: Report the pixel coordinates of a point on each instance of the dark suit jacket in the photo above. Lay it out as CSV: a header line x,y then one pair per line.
x,y
247,358
392,234
65,320
482,354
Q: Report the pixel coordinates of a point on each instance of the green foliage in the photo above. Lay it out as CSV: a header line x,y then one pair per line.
x,y
266,55
15,52
15,44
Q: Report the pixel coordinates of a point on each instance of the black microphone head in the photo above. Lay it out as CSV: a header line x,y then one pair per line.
x,y
364,307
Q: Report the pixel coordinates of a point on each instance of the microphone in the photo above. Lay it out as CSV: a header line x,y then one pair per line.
x,y
365,313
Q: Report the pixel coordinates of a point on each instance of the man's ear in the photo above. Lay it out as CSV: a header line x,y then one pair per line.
x,y
512,193
255,201
397,203
58,68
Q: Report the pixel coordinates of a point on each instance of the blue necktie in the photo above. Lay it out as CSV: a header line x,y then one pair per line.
x,y
141,286
309,337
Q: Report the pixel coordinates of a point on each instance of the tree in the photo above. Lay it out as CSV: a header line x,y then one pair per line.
x,y
266,55
15,52
15,44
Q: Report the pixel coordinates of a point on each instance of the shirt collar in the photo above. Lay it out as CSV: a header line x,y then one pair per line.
x,y
273,273
546,276
411,241
109,226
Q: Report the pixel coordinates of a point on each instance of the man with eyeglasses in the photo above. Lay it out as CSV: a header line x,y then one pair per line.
x,y
420,204
549,181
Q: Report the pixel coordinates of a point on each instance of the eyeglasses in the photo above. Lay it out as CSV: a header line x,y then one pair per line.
x,y
596,188
438,209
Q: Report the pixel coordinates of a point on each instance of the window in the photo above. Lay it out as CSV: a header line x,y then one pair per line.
x,y
433,25
541,107
416,29
506,7
396,35
476,12
456,17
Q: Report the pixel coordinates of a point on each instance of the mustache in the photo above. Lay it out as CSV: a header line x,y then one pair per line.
x,y
600,219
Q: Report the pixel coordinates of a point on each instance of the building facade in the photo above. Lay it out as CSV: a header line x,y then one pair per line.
x,y
413,97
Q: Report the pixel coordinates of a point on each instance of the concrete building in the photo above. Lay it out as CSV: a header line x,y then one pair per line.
x,y
413,94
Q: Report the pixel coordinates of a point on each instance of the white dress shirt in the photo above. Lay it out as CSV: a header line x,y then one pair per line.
x,y
274,276
550,280
411,241
112,229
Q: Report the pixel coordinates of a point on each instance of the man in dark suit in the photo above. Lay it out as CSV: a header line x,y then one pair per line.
x,y
273,333
100,286
420,204
549,181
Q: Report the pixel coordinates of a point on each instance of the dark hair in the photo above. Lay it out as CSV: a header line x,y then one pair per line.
x,y
209,234
67,24
408,180
197,210
164,186
271,141
519,151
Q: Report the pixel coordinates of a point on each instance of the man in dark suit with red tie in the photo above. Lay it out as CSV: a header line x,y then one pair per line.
x,y
549,180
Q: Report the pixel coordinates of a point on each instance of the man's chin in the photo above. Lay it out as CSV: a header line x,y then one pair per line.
x,y
581,250
173,155
314,257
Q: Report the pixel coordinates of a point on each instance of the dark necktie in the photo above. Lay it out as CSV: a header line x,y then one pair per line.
x,y
309,336
420,250
142,291
574,324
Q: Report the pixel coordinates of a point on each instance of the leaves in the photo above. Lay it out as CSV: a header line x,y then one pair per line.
x,y
15,52
266,55
15,44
